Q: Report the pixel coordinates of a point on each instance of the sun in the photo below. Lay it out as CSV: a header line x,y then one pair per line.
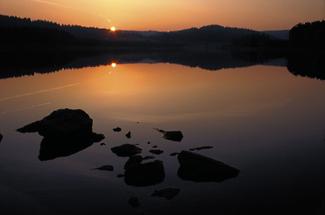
x,y
113,28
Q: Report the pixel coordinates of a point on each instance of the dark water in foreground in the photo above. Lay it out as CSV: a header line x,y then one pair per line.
x,y
260,119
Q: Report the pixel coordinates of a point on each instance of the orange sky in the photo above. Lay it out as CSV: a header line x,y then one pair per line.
x,y
169,14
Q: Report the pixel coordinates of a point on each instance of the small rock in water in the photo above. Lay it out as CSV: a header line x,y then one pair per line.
x,y
174,154
126,150
102,144
106,168
155,147
171,135
120,175
134,202
157,151
128,135
149,143
168,193
1,137
117,129
201,148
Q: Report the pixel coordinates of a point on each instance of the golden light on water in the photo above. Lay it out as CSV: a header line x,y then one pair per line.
x,y
113,28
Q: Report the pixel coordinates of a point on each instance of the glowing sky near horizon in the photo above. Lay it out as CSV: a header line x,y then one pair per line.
x,y
169,14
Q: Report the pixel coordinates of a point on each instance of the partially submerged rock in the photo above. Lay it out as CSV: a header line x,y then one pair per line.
x,y
198,168
128,135
172,135
106,168
174,154
126,150
1,137
134,202
201,148
156,151
117,129
63,122
145,174
65,132
168,193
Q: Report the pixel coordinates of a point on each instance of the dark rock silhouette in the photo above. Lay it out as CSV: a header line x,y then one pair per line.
x,y
201,148
64,146
117,129
128,135
136,159
134,202
126,150
65,132
106,168
156,151
1,137
154,147
198,168
103,144
174,154
172,135
168,193
145,174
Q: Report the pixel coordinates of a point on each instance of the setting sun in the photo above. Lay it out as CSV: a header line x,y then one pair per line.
x,y
113,28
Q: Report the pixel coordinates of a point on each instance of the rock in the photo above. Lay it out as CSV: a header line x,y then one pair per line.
x,y
156,152
148,142
134,202
135,160
168,193
106,168
65,132
201,148
171,135
128,135
174,154
117,129
120,175
126,150
103,144
63,122
198,168
154,147
1,137
145,174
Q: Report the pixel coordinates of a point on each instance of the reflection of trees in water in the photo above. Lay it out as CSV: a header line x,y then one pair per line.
x,y
29,64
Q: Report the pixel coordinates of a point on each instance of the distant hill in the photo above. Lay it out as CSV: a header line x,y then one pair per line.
x,y
278,34
24,30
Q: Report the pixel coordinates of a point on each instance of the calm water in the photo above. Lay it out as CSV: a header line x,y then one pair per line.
x,y
260,119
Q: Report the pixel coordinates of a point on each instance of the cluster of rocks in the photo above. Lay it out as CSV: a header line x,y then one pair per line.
x,y
69,131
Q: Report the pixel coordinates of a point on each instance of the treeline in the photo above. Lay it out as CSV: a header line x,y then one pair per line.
x,y
23,31
308,35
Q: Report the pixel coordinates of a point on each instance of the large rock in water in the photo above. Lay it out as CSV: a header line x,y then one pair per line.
x,y
63,122
1,137
198,168
65,132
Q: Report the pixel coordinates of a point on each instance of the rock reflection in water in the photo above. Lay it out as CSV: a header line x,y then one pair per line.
x,y
198,168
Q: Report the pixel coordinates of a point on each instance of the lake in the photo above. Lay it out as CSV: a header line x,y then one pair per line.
x,y
259,118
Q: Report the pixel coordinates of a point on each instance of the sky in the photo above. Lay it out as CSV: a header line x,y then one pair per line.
x,y
169,14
